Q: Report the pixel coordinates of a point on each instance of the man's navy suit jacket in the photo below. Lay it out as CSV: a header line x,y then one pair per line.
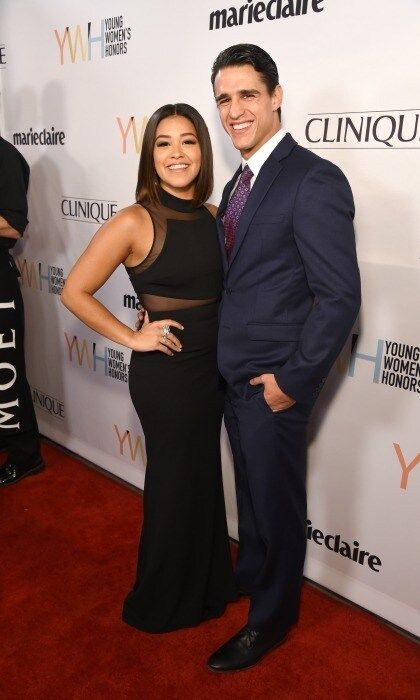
x,y
292,284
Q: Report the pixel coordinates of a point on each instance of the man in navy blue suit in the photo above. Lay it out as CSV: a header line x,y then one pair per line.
x,y
291,297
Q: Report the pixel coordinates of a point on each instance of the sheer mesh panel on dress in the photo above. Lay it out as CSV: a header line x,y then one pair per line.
x,y
159,216
152,302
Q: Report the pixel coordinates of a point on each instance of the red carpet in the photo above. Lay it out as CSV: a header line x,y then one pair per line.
x,y
68,550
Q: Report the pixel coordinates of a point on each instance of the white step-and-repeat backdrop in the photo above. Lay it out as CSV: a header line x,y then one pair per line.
x,y
78,82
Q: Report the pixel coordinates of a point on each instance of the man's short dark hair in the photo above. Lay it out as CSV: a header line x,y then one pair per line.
x,y
251,55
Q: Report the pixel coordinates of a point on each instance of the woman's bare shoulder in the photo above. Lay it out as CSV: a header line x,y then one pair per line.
x,y
212,208
133,215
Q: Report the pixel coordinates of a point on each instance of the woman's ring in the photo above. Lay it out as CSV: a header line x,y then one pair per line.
x,y
166,330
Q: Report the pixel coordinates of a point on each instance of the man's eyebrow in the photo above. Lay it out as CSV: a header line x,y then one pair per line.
x,y
245,91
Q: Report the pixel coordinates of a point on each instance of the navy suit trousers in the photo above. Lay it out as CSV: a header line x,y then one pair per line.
x,y
269,451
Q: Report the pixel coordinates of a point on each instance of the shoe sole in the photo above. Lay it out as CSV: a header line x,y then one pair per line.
x,y
245,668
35,470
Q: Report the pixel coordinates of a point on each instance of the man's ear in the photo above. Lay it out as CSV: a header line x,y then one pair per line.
x,y
277,97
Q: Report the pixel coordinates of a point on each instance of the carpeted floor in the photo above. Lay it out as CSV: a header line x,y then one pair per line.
x,y
68,550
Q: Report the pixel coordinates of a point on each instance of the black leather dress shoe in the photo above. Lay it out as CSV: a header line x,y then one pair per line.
x,y
10,473
245,649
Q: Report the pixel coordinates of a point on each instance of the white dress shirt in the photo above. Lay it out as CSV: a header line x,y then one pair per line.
x,y
257,160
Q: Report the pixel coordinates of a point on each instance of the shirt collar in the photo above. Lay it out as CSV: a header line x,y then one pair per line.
x,y
257,160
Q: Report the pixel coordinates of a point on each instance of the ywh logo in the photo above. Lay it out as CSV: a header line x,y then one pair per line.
x,y
77,44
406,468
130,447
44,277
84,353
131,133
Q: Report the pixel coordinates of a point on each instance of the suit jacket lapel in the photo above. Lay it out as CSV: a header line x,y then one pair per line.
x,y
269,171
220,213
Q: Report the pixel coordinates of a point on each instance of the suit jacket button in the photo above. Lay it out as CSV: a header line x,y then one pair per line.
x,y
228,290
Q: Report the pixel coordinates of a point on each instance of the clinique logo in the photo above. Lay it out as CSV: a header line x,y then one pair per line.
x,y
46,137
88,211
392,129
252,11
48,403
2,56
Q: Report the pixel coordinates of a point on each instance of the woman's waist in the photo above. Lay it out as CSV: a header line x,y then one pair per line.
x,y
197,313
200,324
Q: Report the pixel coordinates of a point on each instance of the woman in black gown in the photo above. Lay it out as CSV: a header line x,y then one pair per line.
x,y
168,243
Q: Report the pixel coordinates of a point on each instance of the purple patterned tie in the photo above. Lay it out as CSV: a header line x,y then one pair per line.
x,y
235,206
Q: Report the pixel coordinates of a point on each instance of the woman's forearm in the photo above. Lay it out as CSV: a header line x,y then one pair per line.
x,y
97,317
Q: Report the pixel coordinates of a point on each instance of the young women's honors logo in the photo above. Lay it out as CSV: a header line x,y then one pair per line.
x,y
85,43
40,276
85,353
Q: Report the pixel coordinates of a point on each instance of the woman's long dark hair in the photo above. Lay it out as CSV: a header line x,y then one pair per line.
x,y
147,183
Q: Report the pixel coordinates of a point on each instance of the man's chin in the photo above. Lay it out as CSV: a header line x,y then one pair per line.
x,y
243,145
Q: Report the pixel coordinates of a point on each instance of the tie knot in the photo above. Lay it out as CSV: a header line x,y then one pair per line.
x,y
247,174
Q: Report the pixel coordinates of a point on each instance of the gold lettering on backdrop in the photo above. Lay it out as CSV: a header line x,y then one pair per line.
x,y
27,273
138,133
134,449
78,41
81,353
405,468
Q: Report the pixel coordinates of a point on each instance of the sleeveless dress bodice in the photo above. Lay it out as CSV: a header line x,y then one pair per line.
x,y
184,260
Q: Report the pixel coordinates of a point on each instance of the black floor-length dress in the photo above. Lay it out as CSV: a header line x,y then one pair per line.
x,y
184,573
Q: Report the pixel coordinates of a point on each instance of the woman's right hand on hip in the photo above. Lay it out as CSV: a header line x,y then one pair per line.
x,y
153,336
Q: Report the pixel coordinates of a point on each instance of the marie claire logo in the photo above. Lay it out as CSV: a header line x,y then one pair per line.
x,y
251,11
130,446
2,56
337,545
132,133
45,137
41,276
85,354
81,44
395,128
393,363
48,403
130,301
88,211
